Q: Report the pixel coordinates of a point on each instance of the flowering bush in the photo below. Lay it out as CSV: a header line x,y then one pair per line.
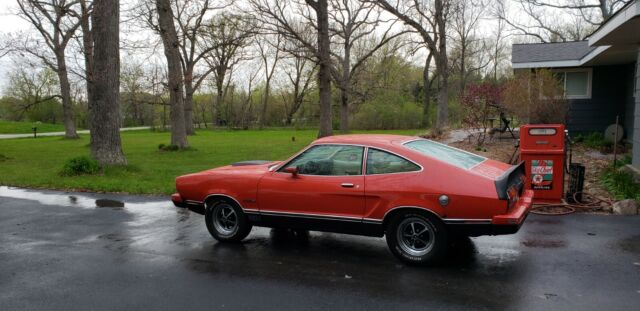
x,y
479,103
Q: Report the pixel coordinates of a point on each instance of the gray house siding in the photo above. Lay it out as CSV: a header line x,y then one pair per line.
x,y
629,111
636,131
610,97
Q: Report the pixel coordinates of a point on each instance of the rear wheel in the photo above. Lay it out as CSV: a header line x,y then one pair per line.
x,y
226,222
416,238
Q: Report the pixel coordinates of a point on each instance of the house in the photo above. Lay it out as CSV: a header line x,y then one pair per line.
x,y
600,75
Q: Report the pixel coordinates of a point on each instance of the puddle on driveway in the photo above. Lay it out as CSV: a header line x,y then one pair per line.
x,y
109,203
631,244
89,201
544,243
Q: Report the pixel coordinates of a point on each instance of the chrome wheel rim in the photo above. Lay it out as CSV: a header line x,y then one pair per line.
x,y
225,219
416,236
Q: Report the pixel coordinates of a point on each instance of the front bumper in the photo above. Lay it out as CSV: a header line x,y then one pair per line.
x,y
176,198
508,223
178,201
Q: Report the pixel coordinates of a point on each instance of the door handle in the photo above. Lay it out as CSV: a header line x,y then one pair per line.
x,y
347,185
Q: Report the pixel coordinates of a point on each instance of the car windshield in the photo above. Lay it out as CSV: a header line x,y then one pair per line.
x,y
457,157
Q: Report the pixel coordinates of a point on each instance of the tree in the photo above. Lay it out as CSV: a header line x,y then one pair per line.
x,y
558,21
266,50
174,67
190,17
56,21
276,17
106,146
469,49
354,24
31,89
300,74
227,35
429,20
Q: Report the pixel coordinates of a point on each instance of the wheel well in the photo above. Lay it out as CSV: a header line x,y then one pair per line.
x,y
398,210
220,197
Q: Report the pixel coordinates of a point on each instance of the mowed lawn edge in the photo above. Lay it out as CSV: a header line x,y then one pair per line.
x,y
36,163
14,127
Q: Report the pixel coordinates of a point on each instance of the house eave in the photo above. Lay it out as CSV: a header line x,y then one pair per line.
x,y
562,63
626,16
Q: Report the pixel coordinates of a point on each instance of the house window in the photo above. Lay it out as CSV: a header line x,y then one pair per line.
x,y
576,82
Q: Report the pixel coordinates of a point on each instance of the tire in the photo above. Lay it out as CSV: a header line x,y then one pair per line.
x,y
416,238
226,221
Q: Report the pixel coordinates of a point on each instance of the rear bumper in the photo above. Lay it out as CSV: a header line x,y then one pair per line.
x,y
517,214
508,223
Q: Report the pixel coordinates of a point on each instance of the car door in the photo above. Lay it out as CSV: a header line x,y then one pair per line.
x,y
329,184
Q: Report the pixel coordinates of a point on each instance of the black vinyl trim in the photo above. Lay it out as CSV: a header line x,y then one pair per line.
x,y
316,223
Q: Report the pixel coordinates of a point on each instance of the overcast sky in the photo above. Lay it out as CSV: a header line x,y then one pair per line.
x,y
8,23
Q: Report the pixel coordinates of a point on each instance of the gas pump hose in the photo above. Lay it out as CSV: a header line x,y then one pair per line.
x,y
569,208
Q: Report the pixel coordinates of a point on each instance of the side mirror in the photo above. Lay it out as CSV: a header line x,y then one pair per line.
x,y
292,170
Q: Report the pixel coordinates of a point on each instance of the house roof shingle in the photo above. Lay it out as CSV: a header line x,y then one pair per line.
x,y
548,52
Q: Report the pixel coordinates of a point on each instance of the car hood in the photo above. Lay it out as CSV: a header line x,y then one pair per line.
x,y
255,166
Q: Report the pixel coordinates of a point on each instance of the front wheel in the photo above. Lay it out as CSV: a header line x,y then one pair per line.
x,y
416,238
226,222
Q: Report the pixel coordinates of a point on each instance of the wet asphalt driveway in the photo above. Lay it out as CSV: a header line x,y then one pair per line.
x,y
59,251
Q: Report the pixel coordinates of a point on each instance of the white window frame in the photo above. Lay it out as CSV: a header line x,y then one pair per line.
x,y
589,72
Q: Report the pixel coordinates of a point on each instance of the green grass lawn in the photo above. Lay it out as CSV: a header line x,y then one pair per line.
x,y
12,127
37,162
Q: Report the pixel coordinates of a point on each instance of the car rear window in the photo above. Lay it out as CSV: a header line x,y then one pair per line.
x,y
453,156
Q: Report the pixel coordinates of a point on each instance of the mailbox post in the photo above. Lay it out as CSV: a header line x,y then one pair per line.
x,y
542,147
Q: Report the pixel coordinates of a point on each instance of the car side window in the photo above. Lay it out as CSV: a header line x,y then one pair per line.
x,y
382,162
333,160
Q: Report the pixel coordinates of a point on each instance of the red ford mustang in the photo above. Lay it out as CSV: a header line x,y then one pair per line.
x,y
414,191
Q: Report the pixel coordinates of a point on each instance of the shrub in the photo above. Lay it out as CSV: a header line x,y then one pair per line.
x,y
80,166
3,157
621,184
536,98
479,102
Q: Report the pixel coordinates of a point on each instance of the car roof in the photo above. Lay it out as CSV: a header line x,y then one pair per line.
x,y
366,139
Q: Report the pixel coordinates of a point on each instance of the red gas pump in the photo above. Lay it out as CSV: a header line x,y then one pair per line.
x,y
542,147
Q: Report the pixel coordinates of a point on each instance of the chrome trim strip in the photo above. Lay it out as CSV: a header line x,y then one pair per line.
x,y
277,170
414,207
372,220
193,202
223,195
313,216
466,221
364,159
397,155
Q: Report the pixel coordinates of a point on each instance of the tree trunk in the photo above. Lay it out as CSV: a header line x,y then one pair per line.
x,y
175,83
265,101
426,101
68,115
105,113
443,95
87,42
188,103
344,88
443,69
463,66
324,72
